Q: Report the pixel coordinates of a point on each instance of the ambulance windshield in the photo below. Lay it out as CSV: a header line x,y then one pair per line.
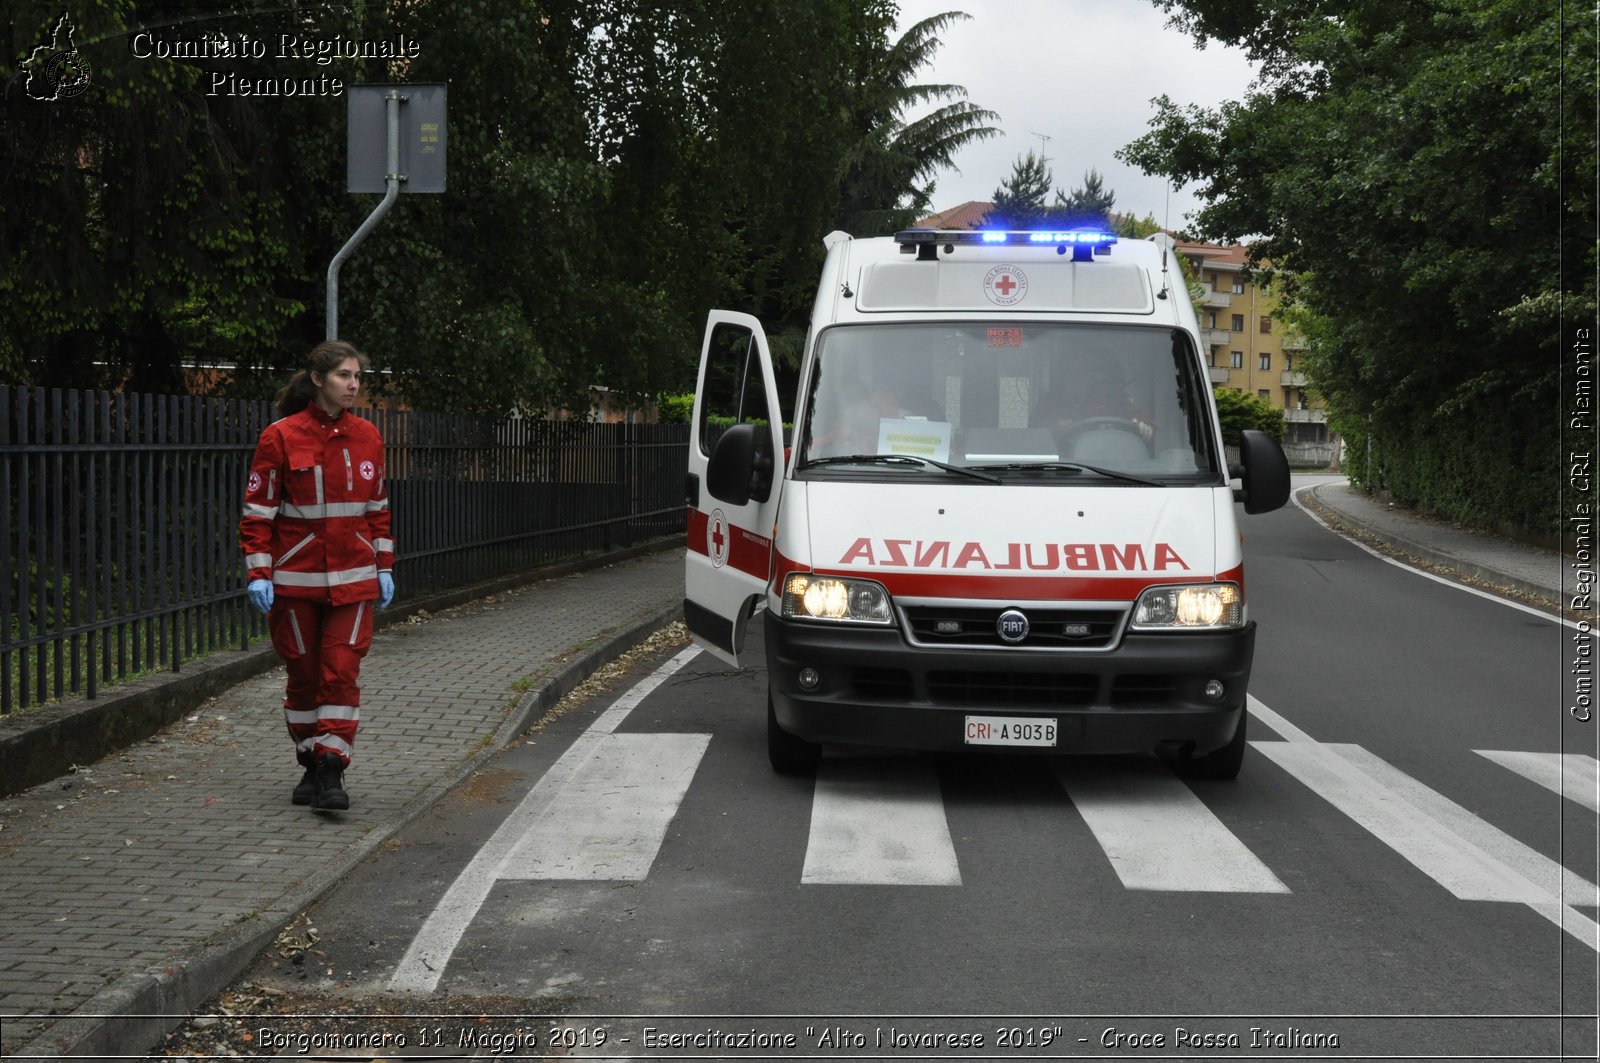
x,y
1127,399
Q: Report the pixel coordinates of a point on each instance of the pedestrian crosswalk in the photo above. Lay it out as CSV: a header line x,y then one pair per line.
x,y
603,812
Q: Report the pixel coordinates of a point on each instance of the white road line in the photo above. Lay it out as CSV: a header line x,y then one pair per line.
x,y
610,819
423,964
1592,630
1575,776
1159,835
879,821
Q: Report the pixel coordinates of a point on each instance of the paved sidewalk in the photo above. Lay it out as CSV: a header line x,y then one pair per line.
x,y
1486,559
142,884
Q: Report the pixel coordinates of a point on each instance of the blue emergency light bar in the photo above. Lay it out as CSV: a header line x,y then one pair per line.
x,y
1082,241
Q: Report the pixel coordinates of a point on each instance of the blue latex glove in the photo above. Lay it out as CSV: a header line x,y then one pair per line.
x,y
385,590
260,591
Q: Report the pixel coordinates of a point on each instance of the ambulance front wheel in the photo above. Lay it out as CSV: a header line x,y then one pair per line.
x,y
789,755
1221,763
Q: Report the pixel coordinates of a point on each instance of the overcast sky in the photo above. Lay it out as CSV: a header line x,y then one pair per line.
x,y
1080,72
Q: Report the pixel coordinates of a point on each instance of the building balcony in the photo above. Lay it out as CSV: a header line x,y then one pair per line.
x,y
1293,342
1218,374
1214,299
1292,379
1216,337
1306,416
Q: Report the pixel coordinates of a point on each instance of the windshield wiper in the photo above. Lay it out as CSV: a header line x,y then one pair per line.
x,y
896,459
1070,466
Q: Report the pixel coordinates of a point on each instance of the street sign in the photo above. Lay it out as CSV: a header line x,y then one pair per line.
x,y
422,138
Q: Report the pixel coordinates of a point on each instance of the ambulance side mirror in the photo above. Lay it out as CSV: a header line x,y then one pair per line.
x,y
1265,473
740,468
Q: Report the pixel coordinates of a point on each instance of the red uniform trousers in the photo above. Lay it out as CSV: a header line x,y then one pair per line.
x,y
322,646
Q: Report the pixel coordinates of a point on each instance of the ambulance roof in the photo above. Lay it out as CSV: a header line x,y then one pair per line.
x,y
1048,272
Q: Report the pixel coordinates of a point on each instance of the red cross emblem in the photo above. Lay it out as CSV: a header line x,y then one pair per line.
x,y
717,538
1005,285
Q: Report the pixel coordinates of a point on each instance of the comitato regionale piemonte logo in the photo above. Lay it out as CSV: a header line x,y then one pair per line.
x,y
57,71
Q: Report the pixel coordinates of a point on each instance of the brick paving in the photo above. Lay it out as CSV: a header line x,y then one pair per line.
x,y
145,856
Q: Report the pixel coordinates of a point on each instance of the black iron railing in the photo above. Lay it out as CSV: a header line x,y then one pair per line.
x,y
119,548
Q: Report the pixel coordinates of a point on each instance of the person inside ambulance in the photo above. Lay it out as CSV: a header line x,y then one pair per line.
x,y
1089,394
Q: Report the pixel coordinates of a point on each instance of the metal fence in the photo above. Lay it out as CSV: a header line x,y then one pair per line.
x,y
120,513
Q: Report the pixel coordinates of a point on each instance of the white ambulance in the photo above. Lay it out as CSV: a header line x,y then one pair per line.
x,y
1003,518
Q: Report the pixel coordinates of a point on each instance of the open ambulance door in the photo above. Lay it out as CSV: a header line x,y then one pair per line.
x,y
736,462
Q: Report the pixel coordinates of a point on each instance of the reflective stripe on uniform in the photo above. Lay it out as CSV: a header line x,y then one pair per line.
x,y
303,717
323,510
316,472
333,742
295,549
339,712
325,579
294,626
377,505
355,629
264,512
257,560
383,546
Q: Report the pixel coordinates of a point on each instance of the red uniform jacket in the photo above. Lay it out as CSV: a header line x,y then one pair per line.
x,y
316,511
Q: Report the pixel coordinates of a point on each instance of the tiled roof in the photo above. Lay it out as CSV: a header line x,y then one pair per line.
x,y
968,215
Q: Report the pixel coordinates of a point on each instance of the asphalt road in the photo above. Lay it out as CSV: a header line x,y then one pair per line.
x,y
1387,878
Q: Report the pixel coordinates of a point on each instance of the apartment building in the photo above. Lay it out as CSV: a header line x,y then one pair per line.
x,y
1247,348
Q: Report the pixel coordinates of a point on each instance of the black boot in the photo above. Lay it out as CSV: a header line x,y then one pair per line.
x,y
305,791
330,785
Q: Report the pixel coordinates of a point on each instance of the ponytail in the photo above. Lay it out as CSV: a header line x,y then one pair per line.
x,y
324,358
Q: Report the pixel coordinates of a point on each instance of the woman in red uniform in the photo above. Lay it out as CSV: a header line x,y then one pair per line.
x,y
316,541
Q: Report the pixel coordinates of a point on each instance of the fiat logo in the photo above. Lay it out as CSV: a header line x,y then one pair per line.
x,y
1012,625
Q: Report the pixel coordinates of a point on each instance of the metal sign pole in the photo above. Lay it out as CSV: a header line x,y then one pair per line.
x,y
392,102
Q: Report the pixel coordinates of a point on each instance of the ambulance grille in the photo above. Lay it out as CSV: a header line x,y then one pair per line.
x,y
941,625
1142,689
1011,688
881,684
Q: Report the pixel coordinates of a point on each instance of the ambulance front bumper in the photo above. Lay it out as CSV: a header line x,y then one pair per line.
x,y
874,688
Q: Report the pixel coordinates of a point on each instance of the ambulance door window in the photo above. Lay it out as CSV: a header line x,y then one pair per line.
x,y
735,390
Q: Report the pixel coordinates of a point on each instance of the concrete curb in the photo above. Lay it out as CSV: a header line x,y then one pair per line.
x,y
45,743
141,1007
1548,596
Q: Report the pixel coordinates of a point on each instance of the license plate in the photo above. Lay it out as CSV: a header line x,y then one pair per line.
x,y
1009,731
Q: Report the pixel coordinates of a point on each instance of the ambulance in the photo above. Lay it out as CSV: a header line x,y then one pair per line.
x,y
999,514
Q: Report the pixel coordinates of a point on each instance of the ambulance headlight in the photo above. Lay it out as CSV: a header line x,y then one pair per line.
x,y
828,598
1195,607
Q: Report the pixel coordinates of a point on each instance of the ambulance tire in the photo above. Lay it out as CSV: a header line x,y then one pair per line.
x,y
1221,763
789,755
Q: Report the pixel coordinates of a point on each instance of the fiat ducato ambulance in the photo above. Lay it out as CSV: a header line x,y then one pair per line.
x,y
1001,517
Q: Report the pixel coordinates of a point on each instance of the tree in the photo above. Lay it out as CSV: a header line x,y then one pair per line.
x,y
616,168
1090,205
1238,411
1019,202
890,166
1426,171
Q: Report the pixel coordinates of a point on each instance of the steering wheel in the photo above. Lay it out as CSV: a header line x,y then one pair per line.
x,y
1125,424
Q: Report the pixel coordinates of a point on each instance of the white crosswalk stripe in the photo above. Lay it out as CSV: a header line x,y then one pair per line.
x,y
609,821
879,821
1335,773
1574,776
1158,835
